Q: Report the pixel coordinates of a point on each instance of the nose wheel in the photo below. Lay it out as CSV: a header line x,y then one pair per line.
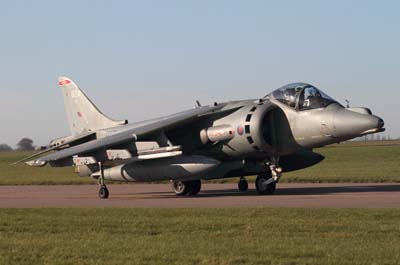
x,y
265,184
266,181
243,185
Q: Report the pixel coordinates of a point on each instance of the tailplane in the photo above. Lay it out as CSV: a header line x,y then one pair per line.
x,y
83,115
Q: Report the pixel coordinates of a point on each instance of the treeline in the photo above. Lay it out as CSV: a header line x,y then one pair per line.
x,y
25,144
377,137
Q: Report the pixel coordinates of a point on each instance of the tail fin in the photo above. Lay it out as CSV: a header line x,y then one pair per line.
x,y
83,115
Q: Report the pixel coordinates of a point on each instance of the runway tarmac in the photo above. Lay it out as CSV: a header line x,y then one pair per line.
x,y
370,195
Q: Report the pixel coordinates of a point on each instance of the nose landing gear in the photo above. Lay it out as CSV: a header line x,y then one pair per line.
x,y
266,182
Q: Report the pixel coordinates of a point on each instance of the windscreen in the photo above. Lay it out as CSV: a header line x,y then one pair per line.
x,y
302,96
312,98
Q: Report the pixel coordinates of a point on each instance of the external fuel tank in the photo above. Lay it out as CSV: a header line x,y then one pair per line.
x,y
171,168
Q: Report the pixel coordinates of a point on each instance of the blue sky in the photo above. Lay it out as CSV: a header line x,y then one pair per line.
x,y
142,59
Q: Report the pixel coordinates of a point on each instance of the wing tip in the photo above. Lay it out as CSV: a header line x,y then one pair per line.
x,y
36,163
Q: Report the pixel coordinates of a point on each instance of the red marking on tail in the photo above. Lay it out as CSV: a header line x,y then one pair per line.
x,y
64,82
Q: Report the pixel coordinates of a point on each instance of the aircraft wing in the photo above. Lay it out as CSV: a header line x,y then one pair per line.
x,y
65,142
132,133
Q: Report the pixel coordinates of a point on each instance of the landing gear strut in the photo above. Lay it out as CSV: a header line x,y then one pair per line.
x,y
103,191
189,188
243,185
266,182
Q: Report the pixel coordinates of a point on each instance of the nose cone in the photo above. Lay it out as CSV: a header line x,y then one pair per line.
x,y
349,124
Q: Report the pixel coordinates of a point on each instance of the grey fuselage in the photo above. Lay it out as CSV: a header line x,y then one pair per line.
x,y
244,137
270,135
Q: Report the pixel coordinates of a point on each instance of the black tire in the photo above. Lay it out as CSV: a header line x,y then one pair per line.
x,y
243,185
103,192
181,188
262,188
194,187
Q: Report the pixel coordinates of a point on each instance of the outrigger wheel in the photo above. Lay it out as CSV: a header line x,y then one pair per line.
x,y
182,188
103,192
243,185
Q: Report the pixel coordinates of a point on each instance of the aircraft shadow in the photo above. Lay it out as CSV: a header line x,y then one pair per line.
x,y
289,191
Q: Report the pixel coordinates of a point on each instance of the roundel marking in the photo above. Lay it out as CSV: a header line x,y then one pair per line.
x,y
240,130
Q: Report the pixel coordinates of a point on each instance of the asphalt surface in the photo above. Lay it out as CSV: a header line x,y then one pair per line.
x,y
370,195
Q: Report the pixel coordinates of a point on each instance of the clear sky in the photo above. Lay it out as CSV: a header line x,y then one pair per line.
x,y
142,59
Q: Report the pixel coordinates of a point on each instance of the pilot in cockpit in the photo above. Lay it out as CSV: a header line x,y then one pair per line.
x,y
290,96
311,98
302,96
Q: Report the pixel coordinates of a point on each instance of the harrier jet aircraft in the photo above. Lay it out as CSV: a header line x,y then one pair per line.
x,y
264,137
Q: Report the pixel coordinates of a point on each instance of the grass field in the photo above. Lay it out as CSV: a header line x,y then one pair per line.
x,y
354,162
350,162
23,174
199,236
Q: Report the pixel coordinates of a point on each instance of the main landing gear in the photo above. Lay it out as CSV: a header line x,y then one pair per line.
x,y
103,191
182,188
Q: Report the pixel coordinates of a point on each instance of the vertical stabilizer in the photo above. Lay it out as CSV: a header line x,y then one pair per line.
x,y
83,116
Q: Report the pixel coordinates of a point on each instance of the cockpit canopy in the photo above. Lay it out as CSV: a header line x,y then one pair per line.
x,y
302,96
